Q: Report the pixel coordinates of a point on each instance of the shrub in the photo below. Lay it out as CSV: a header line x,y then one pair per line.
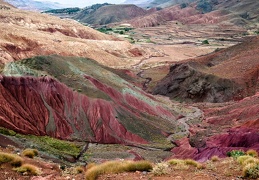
x,y
160,169
250,160
214,158
29,169
13,159
241,159
30,153
116,167
251,170
205,42
236,153
252,153
183,5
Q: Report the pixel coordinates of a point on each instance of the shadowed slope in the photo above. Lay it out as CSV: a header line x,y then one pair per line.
x,y
226,75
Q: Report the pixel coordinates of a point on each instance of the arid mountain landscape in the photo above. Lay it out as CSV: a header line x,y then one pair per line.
x,y
169,92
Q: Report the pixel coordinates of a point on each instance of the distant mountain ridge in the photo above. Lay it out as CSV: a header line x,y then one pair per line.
x,y
35,5
156,3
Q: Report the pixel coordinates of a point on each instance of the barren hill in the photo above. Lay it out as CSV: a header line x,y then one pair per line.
x,y
111,13
26,34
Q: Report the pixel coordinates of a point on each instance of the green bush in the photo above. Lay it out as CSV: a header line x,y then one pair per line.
x,y
236,153
205,42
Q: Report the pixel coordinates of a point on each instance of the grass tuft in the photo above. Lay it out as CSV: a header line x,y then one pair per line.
x,y
79,170
29,169
13,159
175,161
191,162
242,159
117,167
30,153
252,153
214,158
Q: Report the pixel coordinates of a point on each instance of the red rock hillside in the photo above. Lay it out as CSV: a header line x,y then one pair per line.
x,y
94,111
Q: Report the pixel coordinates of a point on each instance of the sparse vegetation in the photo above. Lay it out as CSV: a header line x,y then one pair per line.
x,y
183,164
30,153
28,168
55,146
117,167
64,11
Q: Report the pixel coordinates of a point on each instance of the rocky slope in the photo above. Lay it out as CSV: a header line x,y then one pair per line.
x,y
226,127
229,74
101,107
26,34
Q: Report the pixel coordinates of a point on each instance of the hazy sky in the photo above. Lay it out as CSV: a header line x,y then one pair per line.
x,y
84,3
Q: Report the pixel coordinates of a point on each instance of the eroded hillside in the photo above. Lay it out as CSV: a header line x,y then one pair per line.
x,y
26,34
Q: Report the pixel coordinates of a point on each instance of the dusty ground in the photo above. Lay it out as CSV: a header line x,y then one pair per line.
x,y
174,41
